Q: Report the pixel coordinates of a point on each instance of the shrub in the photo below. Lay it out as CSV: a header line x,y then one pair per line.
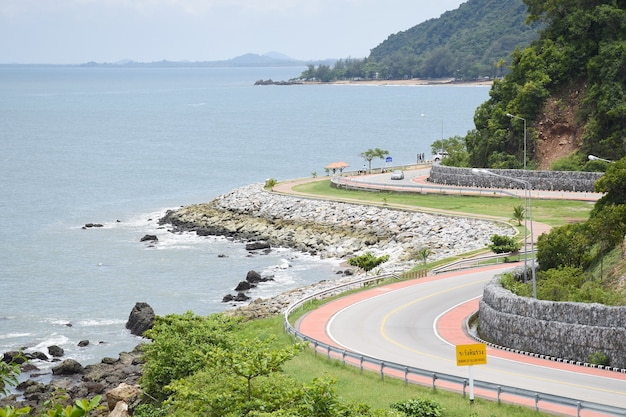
x,y
421,407
600,358
504,244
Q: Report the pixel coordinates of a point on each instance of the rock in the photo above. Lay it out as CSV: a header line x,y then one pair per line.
x,y
243,286
37,355
141,318
259,244
120,410
124,393
90,225
56,351
149,238
228,298
68,367
14,357
83,343
241,297
253,277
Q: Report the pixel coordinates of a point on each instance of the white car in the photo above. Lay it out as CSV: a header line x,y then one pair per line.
x,y
397,175
439,156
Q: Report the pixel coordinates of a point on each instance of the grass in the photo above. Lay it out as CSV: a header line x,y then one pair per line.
x,y
551,212
368,388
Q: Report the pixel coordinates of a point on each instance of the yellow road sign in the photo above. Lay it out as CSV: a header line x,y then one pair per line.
x,y
474,354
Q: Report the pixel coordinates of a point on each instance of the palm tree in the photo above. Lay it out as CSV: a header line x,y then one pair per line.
x,y
519,212
423,254
373,153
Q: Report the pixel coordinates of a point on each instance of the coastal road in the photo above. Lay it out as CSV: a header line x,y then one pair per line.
x,y
418,323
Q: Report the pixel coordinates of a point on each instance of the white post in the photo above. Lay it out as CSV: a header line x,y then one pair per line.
x,y
471,384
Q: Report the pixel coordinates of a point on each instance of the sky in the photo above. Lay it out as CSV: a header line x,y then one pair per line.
x,y
79,31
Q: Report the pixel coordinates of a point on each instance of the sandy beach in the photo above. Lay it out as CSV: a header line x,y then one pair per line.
x,y
416,81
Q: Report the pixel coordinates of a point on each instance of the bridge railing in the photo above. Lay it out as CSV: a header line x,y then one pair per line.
x,y
423,376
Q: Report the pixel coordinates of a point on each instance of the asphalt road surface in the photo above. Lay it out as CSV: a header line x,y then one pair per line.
x,y
412,324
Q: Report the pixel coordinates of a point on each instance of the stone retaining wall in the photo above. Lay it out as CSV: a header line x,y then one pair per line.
x,y
539,180
565,330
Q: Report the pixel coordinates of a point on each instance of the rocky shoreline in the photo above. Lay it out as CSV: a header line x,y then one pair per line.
x,y
333,229
323,228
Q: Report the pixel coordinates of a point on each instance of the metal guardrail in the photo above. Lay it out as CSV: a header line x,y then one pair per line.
x,y
398,370
478,261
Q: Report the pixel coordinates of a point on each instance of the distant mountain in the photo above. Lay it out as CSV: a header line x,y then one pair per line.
x,y
271,59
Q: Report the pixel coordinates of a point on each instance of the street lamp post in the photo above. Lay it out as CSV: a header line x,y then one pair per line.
x,y
521,118
528,196
595,158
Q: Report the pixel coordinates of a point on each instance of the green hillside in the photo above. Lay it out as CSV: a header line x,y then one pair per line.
x,y
474,41
465,43
569,86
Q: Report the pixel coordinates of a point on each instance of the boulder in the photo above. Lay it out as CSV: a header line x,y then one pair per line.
x,y
253,277
124,393
149,238
56,351
14,357
257,245
141,318
241,297
68,367
37,355
243,286
120,410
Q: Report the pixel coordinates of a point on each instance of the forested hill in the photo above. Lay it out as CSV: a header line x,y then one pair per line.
x,y
569,86
472,41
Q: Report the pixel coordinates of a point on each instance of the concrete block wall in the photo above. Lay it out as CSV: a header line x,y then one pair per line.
x,y
539,180
566,330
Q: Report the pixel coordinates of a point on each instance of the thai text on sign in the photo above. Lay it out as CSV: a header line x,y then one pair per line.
x,y
474,354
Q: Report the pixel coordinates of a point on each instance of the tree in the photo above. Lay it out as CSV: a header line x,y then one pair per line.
x,y
177,341
370,154
367,261
519,213
566,245
504,244
423,253
613,183
456,149
251,359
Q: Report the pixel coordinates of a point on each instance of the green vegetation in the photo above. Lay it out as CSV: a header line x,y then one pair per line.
x,y
504,244
552,212
289,381
370,154
367,261
576,240
519,214
577,64
474,41
270,183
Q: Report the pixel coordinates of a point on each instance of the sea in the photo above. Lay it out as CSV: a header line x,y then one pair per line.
x,y
119,146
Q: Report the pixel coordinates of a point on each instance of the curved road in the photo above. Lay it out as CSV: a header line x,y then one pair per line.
x,y
418,323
